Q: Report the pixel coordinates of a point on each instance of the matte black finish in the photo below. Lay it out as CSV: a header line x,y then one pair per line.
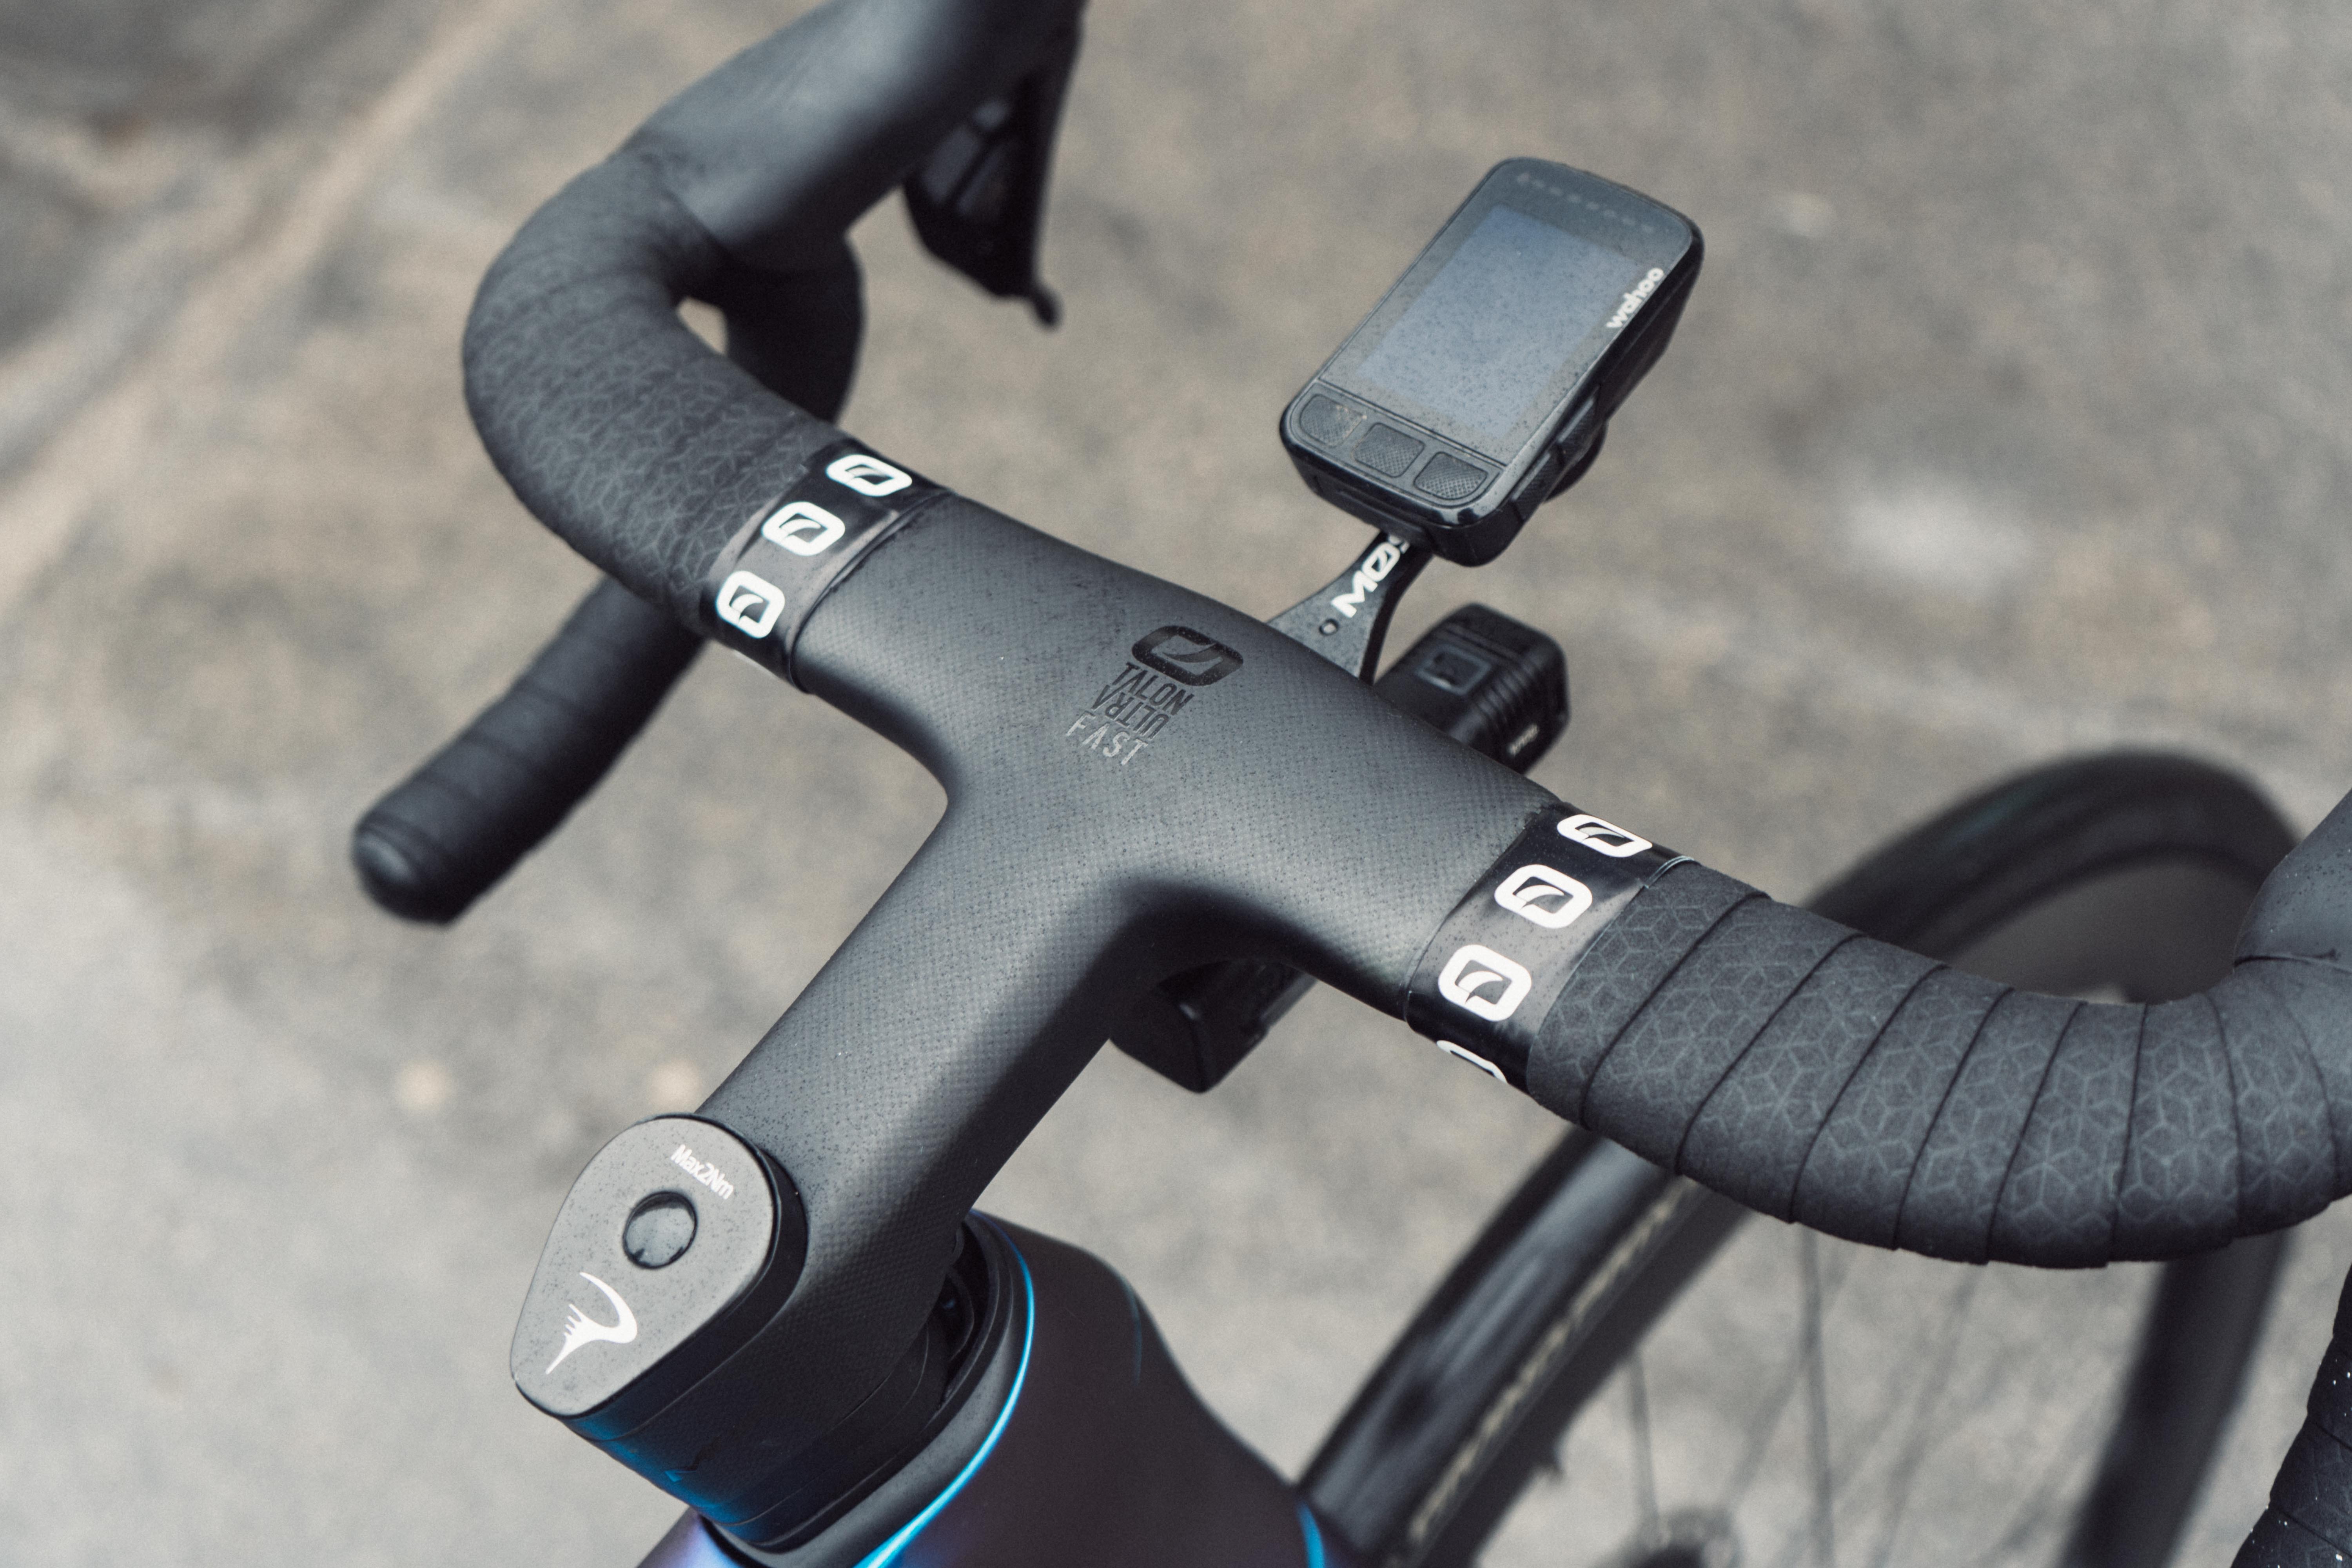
x,y
2309,1520
890,1099
447,836
1930,1127
443,836
1280,811
2119,870
1194,1027
907,1098
1479,677
748,1235
1082,1443
1347,619
1481,385
1496,685
979,200
931,1417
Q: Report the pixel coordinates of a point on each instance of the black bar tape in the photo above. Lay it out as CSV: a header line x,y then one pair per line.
x,y
2069,1163
1826,1077
1859,1168
2283,1127
2307,992
1661,1065
614,424
436,843
1628,961
1750,1138
761,589
2277,1541
2315,1485
2309,1520
1496,963
2330,1405
428,853
1948,1202
617,425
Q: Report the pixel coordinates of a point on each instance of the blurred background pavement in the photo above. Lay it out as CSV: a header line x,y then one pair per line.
x,y
2007,420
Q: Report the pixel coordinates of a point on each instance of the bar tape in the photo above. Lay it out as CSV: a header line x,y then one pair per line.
x,y
795,549
1490,976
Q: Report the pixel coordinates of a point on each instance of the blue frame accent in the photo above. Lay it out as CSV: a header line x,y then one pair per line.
x,y
887,1552
1313,1533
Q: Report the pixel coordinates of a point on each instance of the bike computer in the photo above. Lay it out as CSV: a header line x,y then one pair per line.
x,y
1482,383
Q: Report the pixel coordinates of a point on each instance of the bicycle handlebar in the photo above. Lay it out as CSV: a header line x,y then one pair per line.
x,y
437,841
615,426
445,835
1276,808
1859,1090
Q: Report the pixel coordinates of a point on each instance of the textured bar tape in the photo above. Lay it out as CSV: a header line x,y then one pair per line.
x,y
774,573
1490,976
2309,1521
1825,1077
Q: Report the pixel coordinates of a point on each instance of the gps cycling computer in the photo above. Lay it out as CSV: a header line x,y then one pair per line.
x,y
1481,385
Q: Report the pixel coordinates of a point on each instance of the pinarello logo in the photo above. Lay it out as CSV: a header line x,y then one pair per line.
x,y
1182,654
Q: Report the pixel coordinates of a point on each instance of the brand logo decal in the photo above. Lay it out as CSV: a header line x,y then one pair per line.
x,y
867,475
1381,560
1474,968
804,528
1530,894
1182,654
1604,837
1632,301
703,1170
580,1329
750,604
1132,707
1462,1053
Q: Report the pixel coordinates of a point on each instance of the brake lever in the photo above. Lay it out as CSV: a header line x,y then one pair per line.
x,y
978,201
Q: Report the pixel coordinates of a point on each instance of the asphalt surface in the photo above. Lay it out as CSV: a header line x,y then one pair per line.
x,y
2005,423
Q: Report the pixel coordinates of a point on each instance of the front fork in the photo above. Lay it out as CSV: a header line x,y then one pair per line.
x,y
1081,1444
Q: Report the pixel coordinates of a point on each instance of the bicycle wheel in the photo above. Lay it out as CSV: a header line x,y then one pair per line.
x,y
1809,1401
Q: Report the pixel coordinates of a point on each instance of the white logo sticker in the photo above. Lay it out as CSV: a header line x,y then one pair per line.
x,y
804,528
1529,892
1471,970
867,475
750,604
1606,837
1476,1060
580,1329
1377,565
703,1170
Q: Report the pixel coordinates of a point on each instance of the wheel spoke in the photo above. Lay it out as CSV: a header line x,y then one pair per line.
x,y
1645,1473
1922,1432
1817,1399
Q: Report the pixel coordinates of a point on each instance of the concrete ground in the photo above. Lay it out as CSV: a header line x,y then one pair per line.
x,y
2006,421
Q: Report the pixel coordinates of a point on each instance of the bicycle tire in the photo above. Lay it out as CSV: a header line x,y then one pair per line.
x,y
2129,872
